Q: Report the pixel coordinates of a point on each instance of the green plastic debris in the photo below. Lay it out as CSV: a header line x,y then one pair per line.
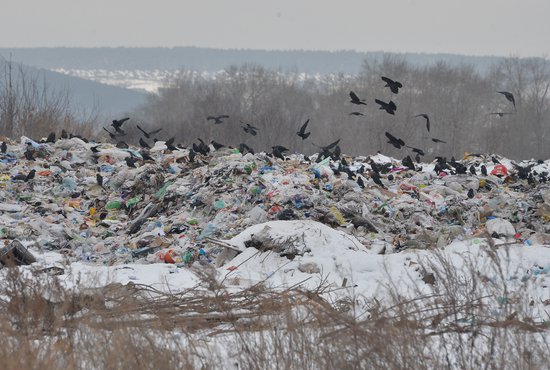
x,y
133,201
160,193
188,257
219,204
193,222
113,204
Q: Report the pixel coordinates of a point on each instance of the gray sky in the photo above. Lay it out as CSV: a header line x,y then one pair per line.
x,y
480,27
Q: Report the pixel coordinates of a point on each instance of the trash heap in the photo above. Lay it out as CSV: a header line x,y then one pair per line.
x,y
92,206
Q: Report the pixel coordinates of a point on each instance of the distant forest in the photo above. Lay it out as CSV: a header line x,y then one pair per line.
x,y
212,60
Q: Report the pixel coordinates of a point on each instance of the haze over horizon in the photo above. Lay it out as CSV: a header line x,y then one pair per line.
x,y
491,27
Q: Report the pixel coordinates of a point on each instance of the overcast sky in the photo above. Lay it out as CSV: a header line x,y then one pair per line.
x,y
480,27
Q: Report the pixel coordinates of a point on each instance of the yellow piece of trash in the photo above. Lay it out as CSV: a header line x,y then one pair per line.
x,y
338,215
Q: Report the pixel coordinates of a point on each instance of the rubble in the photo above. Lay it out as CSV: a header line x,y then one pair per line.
x,y
92,207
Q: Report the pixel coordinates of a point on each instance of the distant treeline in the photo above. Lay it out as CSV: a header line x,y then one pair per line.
x,y
212,60
458,99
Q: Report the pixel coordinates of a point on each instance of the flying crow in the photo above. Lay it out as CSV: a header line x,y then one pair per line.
x,y
393,85
148,134
397,143
217,119
427,119
117,125
302,133
388,107
355,99
509,96
249,129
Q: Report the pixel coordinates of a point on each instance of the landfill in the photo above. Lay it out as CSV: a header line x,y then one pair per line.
x,y
86,202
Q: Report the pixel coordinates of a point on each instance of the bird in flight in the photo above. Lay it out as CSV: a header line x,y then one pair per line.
x,y
278,151
143,144
427,119
148,134
302,133
249,129
393,85
117,124
217,119
509,96
112,135
329,146
398,143
355,99
388,107
356,114
438,140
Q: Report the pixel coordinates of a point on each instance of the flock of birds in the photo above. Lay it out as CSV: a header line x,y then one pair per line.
x,y
331,150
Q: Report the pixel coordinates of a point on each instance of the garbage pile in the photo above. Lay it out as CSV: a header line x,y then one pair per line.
x,y
107,205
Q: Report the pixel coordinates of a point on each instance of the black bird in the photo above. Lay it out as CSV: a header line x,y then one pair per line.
x,y
278,150
408,162
99,179
509,96
216,145
203,148
23,177
393,85
170,144
94,149
29,154
360,182
495,161
471,193
356,114
217,119
51,138
302,133
417,158
249,129
146,155
355,99
329,146
4,147
500,114
473,170
337,152
438,140
388,107
483,170
376,178
30,176
122,145
117,125
427,119
417,150
143,144
192,155
111,134
243,148
130,161
148,134
64,134
397,143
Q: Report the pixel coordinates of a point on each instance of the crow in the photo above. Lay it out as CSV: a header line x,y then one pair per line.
x,y
130,161
201,148
360,182
329,146
495,161
376,178
407,162
483,170
356,114
170,144
99,179
117,125
146,155
393,85
438,140
217,119
417,158
337,152
143,144
30,176
29,154
64,134
192,155
243,148
417,150
4,147
94,149
389,107
111,134
148,134
355,99
51,138
427,119
500,114
26,178
278,150
249,129
397,143
473,170
122,145
302,133
509,96
216,145
471,193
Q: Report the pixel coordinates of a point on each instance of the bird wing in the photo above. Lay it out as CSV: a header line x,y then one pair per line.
x,y
389,81
121,121
211,118
223,116
303,128
170,141
331,145
140,129
354,97
428,123
383,104
392,105
398,84
391,137
155,131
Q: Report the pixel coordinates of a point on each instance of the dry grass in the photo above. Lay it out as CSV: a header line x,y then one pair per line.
x,y
464,322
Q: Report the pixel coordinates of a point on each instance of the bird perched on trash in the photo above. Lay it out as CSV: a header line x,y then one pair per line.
x,y
473,170
146,155
397,143
94,149
29,154
389,107
201,147
249,129
427,120
143,144
376,178
407,162
64,134
471,193
4,147
393,85
278,150
355,99
117,125
170,144
51,138
130,162
23,177
99,179
243,148
216,145
360,182
148,134
122,145
509,96
302,133
483,170
217,119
